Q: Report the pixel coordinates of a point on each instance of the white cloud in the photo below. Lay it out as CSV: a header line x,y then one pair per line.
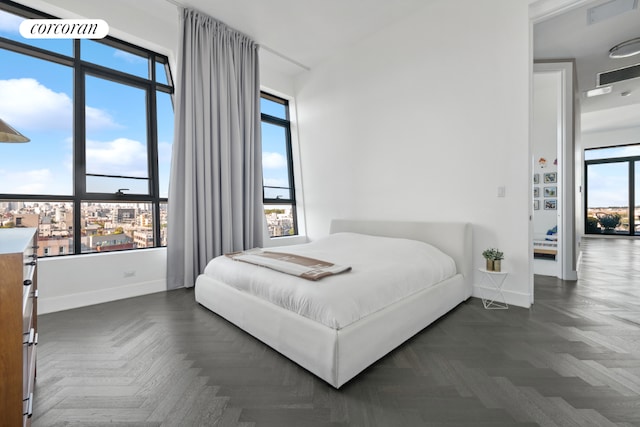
x,y
10,23
273,161
97,119
129,57
29,106
36,181
121,156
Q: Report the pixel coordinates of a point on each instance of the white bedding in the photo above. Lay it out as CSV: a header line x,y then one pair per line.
x,y
384,270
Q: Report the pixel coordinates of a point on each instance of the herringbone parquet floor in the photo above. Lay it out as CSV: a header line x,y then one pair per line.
x,y
573,359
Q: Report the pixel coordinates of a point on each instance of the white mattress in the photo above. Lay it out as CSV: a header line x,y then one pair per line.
x,y
384,270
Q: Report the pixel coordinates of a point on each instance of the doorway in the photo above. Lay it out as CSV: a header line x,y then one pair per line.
x,y
552,149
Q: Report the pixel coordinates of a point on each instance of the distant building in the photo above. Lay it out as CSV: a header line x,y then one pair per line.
x,y
145,220
275,230
279,221
92,229
124,216
26,220
115,247
143,238
52,246
44,230
109,242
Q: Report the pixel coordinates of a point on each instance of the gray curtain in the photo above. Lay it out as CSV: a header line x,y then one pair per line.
x,y
215,191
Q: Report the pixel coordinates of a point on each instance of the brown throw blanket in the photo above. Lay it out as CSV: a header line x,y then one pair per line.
x,y
296,265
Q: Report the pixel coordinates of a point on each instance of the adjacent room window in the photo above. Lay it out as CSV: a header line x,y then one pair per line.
x,y
99,113
613,190
279,194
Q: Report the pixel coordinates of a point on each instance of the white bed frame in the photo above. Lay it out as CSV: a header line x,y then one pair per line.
x,y
336,356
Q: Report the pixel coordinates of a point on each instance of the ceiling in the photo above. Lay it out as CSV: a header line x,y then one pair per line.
x,y
569,36
301,34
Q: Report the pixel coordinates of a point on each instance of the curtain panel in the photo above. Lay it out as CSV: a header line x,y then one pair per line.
x,y
215,189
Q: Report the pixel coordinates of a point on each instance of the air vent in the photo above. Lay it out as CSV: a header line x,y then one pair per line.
x,y
610,77
609,10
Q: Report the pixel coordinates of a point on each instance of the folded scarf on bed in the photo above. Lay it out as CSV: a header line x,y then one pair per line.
x,y
296,265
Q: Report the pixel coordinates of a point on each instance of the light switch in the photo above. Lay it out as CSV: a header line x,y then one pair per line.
x,y
501,191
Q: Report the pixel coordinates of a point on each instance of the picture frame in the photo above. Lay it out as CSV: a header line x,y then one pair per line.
x,y
550,191
550,177
536,191
536,178
536,205
550,204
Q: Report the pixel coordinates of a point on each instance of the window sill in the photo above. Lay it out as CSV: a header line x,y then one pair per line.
x,y
285,241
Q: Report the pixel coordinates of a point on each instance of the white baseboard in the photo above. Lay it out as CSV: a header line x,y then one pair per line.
x,y
518,299
82,299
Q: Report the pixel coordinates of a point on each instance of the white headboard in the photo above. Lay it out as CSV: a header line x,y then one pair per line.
x,y
452,238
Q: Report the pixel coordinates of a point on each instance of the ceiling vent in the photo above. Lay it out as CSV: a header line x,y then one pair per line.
x,y
609,10
621,74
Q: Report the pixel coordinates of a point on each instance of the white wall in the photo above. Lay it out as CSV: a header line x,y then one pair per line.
x,y
75,281
612,137
424,121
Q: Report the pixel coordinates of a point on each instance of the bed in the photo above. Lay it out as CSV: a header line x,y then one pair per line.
x,y
546,245
545,249
336,347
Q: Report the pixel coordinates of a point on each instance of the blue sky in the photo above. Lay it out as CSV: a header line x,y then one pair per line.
x,y
274,154
36,99
608,183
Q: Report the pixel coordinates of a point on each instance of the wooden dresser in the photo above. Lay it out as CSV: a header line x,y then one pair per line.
x,y
18,324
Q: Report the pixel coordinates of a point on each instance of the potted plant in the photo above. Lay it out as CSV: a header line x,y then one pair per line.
x,y
610,221
498,256
493,257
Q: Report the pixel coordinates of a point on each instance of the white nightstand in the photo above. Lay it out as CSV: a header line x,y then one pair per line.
x,y
496,280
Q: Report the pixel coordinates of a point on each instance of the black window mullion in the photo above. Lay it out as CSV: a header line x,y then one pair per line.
x,y
586,197
79,155
35,52
286,125
152,150
632,203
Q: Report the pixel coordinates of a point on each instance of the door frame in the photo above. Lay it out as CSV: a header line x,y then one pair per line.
x,y
566,155
540,10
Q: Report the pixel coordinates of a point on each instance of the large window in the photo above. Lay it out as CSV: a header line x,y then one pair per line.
x,y
99,113
277,165
612,190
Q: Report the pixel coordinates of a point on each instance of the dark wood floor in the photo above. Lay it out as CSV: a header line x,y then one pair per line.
x,y
573,359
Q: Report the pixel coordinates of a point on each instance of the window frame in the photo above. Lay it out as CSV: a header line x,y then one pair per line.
x,y
286,124
81,69
630,161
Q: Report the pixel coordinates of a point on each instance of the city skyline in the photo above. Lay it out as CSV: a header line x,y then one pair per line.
x,y
99,220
